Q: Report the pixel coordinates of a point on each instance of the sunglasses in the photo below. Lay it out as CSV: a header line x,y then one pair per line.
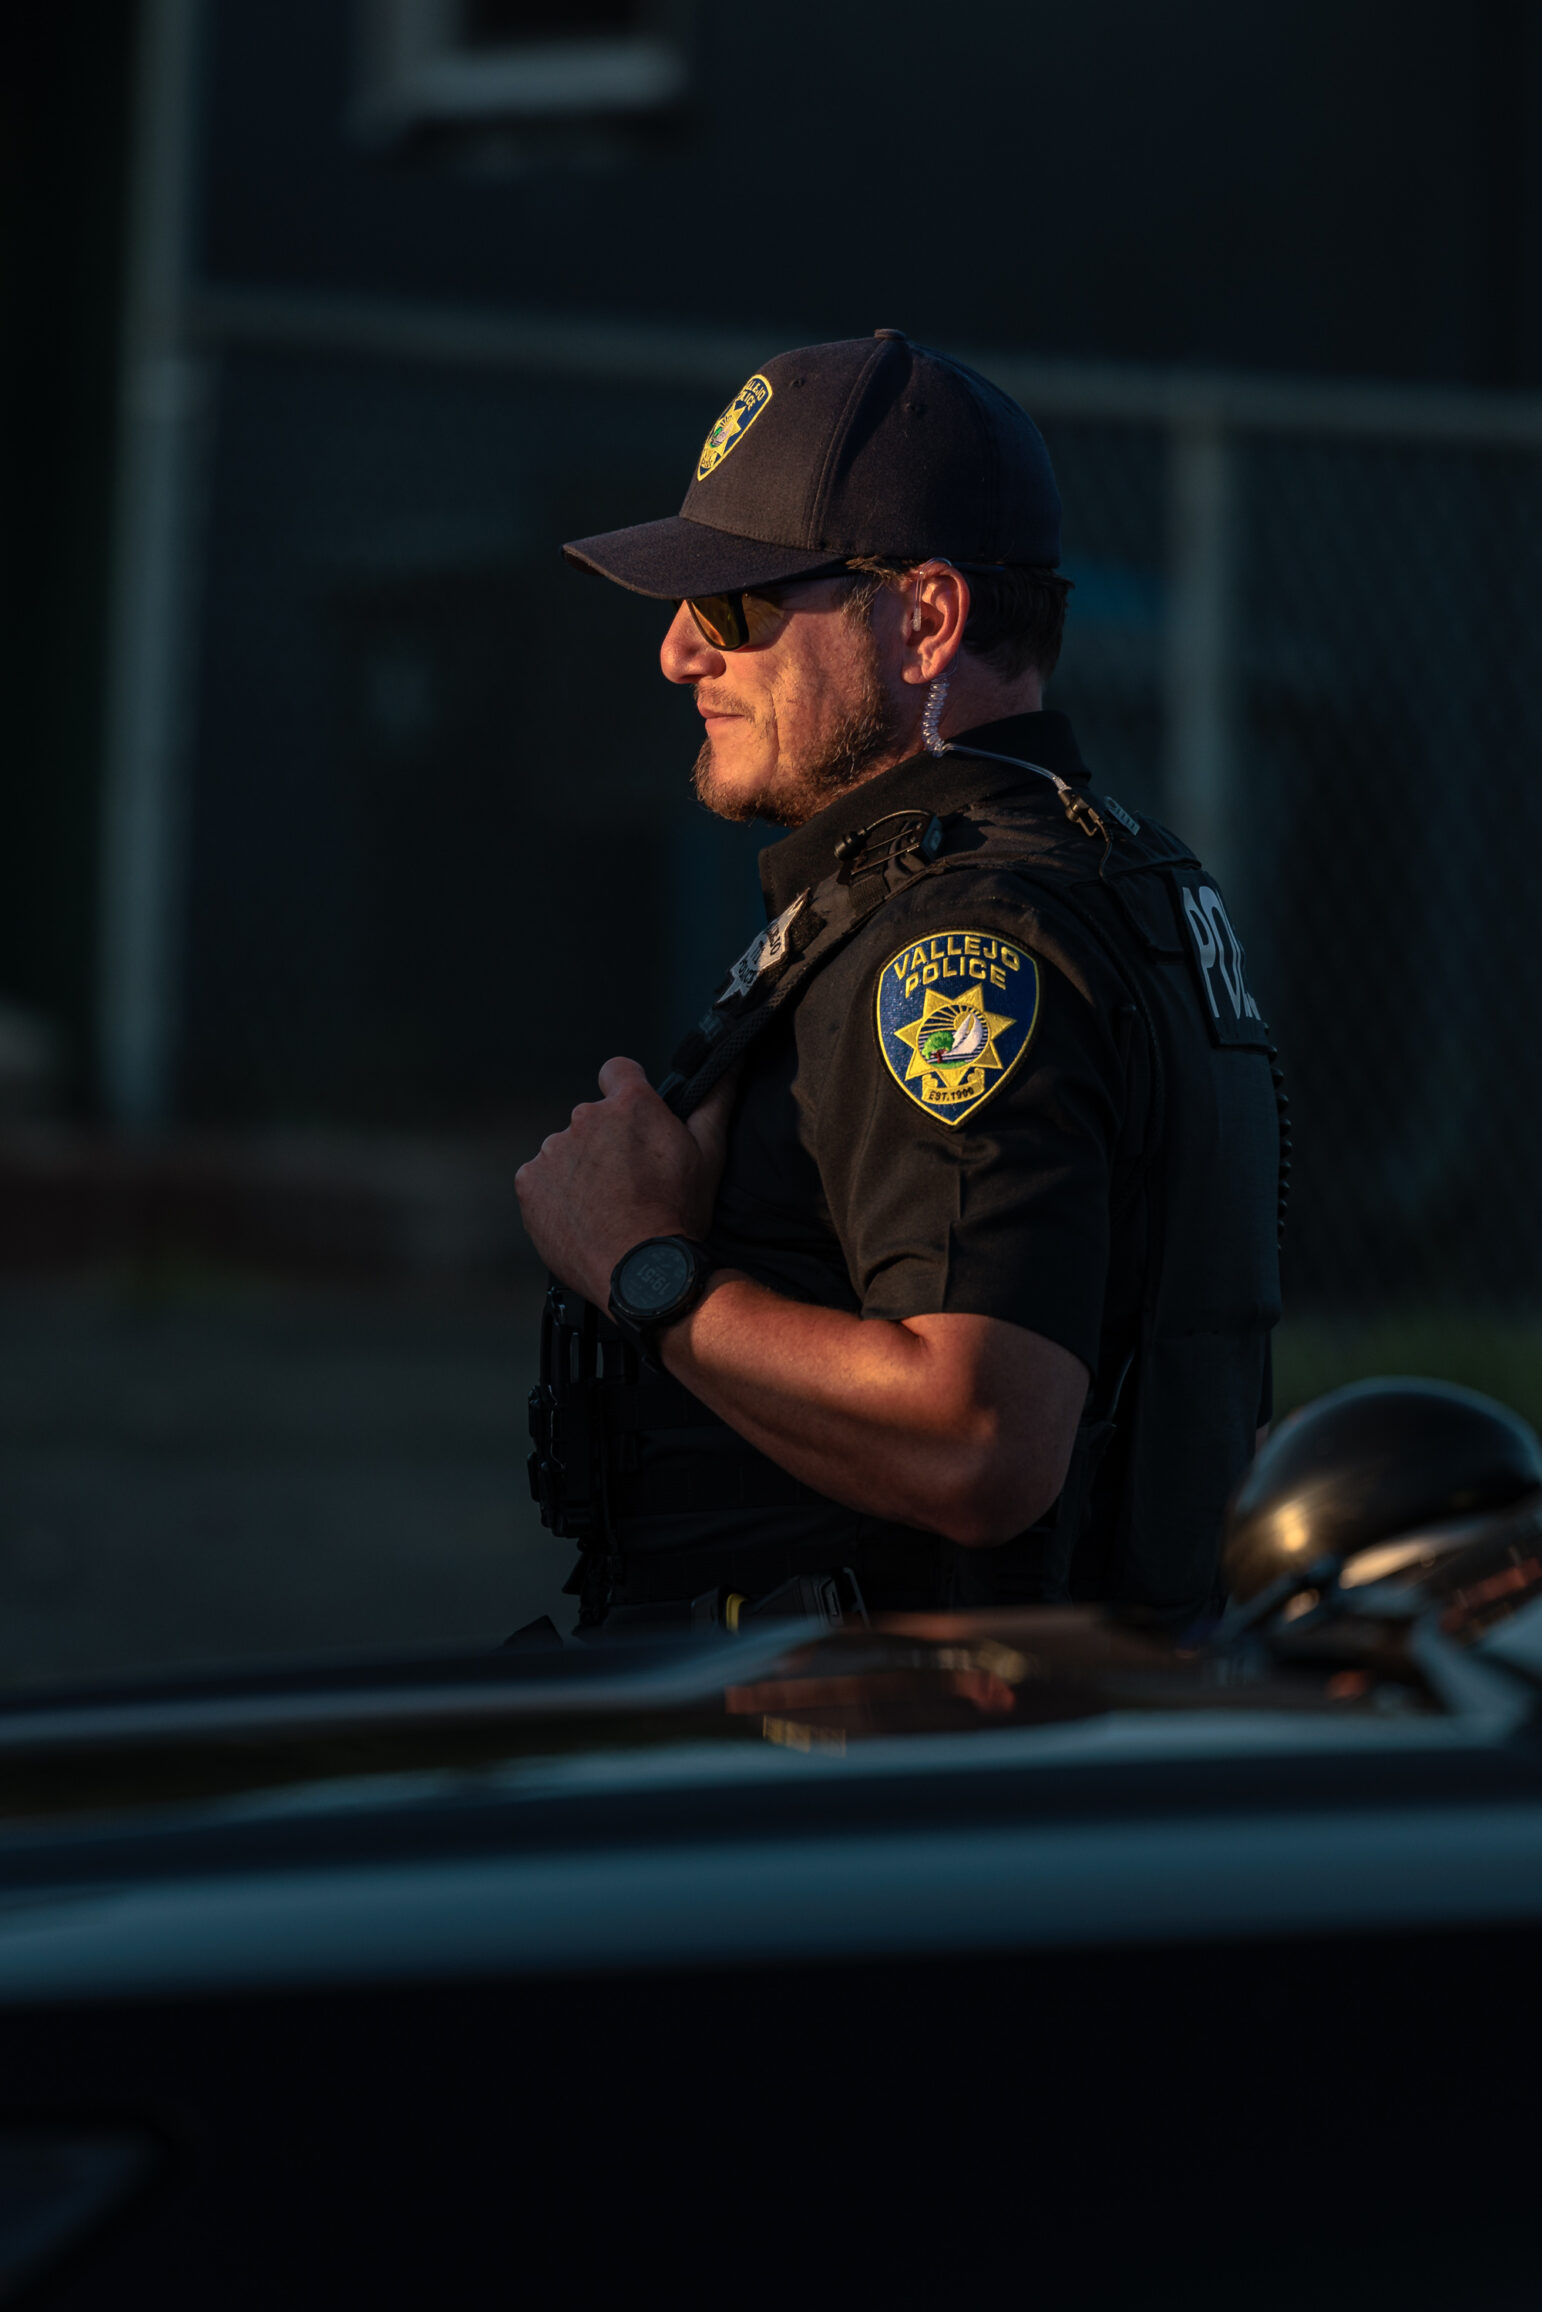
x,y
724,619
721,619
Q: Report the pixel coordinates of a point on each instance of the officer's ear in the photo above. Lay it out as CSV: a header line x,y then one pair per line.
x,y
936,611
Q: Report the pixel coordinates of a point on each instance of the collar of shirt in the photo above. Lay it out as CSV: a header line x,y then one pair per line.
x,y
938,783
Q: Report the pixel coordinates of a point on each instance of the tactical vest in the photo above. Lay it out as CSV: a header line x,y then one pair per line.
x,y
618,1446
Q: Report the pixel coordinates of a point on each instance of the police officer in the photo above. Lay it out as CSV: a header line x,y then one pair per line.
x,y
944,1259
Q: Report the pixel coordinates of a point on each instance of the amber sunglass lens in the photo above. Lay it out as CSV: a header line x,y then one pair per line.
x,y
720,617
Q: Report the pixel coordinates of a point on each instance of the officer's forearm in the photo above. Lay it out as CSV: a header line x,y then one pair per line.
x,y
958,1424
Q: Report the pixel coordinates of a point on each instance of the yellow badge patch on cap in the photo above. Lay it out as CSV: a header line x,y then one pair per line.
x,y
734,423
956,1012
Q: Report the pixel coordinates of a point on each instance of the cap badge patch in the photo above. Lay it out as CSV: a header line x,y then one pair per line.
x,y
956,1012
734,423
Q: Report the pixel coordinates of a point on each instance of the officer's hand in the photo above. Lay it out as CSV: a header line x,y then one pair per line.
x,y
625,1168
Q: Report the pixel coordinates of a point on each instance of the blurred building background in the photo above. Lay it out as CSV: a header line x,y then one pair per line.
x,y
344,829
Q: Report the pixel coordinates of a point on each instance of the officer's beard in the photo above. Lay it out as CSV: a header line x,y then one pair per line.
x,y
868,732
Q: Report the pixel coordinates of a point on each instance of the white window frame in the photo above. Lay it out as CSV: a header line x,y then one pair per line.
x,y
417,72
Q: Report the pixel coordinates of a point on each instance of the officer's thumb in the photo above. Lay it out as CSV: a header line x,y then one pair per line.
x,y
708,1124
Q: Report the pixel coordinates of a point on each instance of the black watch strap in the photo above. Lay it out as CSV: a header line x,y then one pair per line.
x,y
656,1284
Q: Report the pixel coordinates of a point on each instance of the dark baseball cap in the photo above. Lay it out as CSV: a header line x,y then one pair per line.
x,y
870,445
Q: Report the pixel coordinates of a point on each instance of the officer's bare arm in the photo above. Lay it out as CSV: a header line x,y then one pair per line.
x,y
960,1424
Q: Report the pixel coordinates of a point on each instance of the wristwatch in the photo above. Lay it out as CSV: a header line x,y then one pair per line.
x,y
656,1284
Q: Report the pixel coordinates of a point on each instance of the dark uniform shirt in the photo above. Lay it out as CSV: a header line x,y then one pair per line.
x,y
842,1188
1007,1182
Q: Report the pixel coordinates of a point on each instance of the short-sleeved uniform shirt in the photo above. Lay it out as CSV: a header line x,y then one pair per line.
x,y
845,1187
856,1180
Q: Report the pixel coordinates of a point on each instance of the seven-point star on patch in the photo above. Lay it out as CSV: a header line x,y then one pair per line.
x,y
954,1036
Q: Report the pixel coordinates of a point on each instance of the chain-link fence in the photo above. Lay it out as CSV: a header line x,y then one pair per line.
x,y
1300,632
1376,810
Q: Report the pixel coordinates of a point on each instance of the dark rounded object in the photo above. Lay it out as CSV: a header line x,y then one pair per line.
x,y
1368,1464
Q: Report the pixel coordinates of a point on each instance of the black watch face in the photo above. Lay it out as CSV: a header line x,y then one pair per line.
x,y
653,1277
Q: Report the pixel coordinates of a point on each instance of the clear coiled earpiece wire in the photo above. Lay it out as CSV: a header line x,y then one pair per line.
x,y
937,689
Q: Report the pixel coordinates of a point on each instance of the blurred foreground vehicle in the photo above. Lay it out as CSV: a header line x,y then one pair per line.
x,y
882,1964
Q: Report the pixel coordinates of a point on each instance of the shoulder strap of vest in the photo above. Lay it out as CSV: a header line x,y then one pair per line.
x,y
781,960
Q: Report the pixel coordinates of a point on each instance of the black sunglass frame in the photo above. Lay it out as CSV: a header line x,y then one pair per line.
x,y
738,625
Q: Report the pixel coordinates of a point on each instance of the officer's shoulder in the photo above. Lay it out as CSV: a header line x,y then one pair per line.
x,y
981,932
1079,835
983,894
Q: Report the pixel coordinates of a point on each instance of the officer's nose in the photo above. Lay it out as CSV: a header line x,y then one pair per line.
x,y
685,654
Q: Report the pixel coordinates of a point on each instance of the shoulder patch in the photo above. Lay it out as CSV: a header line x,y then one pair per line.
x,y
734,424
955,1012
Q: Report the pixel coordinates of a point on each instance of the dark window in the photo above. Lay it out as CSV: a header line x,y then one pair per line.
x,y
508,23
